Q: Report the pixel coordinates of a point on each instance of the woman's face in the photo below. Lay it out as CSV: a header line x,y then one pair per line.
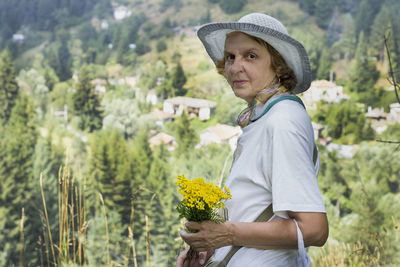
x,y
247,65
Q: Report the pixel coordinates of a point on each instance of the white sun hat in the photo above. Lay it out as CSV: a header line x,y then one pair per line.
x,y
270,30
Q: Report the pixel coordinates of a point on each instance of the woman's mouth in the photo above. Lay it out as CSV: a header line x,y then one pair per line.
x,y
239,83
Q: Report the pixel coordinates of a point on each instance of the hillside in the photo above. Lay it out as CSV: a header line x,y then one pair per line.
x,y
194,58
92,138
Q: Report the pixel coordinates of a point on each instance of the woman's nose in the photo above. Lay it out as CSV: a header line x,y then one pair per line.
x,y
237,65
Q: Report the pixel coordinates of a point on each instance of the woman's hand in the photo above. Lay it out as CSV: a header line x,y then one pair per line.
x,y
197,261
210,235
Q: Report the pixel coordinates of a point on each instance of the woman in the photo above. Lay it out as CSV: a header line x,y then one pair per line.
x,y
275,161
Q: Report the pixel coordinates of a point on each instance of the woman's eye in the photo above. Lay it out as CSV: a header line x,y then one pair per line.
x,y
251,56
230,57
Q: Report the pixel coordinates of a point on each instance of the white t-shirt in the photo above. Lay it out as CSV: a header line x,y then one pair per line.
x,y
273,163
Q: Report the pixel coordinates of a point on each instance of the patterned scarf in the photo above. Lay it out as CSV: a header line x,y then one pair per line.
x,y
260,99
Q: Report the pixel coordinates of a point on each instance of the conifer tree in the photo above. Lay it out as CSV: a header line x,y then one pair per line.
x,y
185,135
123,174
143,197
178,80
48,160
349,40
8,86
363,75
379,29
323,12
142,154
60,56
163,216
325,64
394,37
366,12
87,103
110,172
308,6
17,148
232,6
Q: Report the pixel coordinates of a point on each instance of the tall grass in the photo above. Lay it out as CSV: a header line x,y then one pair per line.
x,y
71,246
107,237
21,240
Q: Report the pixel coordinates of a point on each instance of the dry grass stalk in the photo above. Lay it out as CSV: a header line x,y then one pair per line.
x,y
130,229
107,237
346,255
47,219
21,240
148,264
71,219
133,246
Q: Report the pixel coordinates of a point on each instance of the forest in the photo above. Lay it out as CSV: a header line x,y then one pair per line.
x,y
82,182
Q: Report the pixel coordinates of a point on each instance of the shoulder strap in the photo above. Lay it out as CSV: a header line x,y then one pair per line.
x,y
273,102
263,217
293,98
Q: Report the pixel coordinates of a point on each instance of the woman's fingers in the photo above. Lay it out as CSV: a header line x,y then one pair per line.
x,y
202,257
210,235
193,225
182,259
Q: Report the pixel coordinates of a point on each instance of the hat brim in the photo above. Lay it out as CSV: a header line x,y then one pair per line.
x,y
213,37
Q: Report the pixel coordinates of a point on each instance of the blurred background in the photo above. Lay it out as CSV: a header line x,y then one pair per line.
x,y
103,103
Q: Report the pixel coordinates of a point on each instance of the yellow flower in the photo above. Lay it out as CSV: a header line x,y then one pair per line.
x,y
201,198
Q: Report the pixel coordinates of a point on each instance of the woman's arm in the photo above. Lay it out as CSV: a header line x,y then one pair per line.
x,y
279,234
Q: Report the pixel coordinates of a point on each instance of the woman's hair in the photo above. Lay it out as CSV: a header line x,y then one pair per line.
x,y
278,64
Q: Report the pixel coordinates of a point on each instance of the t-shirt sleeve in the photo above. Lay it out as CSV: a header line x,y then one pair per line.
x,y
293,174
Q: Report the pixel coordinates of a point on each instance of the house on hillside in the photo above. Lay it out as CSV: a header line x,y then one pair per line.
x,y
104,24
99,85
121,12
376,114
162,116
317,130
131,81
152,98
162,138
322,90
344,151
220,133
394,113
18,38
194,107
378,119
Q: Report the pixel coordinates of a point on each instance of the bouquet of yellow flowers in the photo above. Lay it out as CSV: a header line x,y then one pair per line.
x,y
201,200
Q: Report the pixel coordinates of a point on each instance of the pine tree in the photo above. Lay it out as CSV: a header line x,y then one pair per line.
x,y
178,80
379,29
349,40
111,173
366,13
185,135
48,161
308,6
363,75
17,148
64,57
394,37
334,30
232,6
8,86
325,64
87,103
142,154
323,12
164,218
143,199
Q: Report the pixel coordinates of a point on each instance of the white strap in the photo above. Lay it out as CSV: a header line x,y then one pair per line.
x,y
302,258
